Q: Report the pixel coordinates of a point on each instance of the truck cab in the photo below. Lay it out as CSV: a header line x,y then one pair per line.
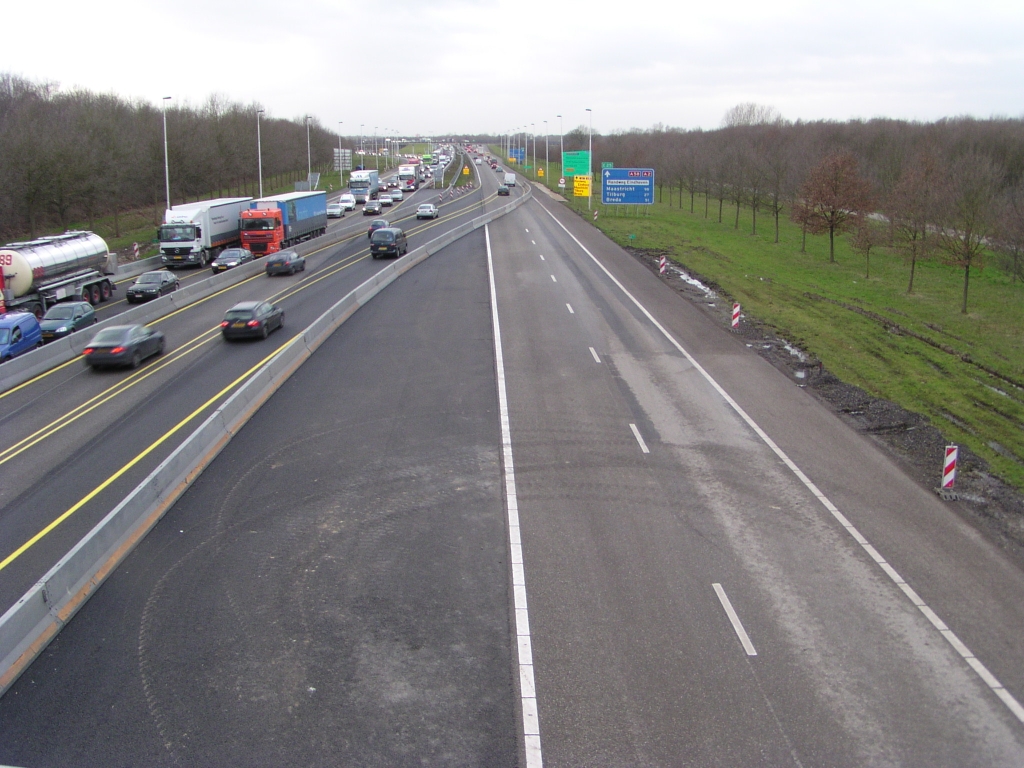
x,y
181,244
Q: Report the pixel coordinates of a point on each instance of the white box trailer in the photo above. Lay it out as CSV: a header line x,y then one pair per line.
x,y
194,233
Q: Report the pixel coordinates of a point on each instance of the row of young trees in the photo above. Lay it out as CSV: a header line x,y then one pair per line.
x,y
953,188
74,155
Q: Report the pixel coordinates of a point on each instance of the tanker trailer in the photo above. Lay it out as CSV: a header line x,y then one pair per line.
x,y
37,274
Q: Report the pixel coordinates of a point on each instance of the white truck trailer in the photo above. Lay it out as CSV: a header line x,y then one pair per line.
x,y
194,233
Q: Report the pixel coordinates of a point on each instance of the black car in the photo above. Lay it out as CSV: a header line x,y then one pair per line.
x,y
285,263
123,345
250,319
229,258
388,241
503,190
150,285
62,319
371,207
377,224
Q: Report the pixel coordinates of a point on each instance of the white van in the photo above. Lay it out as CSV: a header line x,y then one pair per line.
x,y
510,179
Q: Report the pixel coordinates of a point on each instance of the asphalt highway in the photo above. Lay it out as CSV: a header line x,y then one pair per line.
x,y
612,511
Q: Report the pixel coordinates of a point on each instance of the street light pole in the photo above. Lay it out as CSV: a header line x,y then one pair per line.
x,y
376,157
590,158
259,149
561,144
533,130
309,154
361,153
547,163
341,165
167,171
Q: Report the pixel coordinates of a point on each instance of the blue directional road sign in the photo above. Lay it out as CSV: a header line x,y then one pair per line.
x,y
627,186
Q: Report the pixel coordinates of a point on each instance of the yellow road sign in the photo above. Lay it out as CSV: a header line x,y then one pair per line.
x,y
581,186
465,170
540,171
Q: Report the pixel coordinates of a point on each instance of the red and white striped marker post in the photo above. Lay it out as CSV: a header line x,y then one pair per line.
x,y
595,215
949,467
661,266
135,247
735,315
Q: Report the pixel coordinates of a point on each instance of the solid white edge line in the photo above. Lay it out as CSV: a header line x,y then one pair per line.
x,y
639,438
569,307
594,353
983,673
737,625
528,693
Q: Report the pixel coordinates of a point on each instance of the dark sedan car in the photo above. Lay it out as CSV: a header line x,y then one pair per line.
x,y
121,345
251,319
371,207
62,319
150,285
285,263
377,224
503,190
230,258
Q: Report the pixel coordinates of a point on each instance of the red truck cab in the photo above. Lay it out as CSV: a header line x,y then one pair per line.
x,y
262,230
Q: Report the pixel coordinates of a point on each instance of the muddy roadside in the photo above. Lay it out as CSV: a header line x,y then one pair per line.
x,y
990,505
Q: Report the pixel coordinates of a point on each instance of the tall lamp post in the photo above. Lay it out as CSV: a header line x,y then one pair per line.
x,y
259,149
167,171
376,157
547,163
361,153
561,144
533,130
341,165
309,154
590,158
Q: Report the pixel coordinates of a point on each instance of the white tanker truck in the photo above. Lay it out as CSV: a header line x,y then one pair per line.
x,y
37,274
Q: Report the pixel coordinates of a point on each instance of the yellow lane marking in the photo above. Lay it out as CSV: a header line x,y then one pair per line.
x,y
103,397
139,457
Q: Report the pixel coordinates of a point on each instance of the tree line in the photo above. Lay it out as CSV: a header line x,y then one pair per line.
x,y
75,155
951,189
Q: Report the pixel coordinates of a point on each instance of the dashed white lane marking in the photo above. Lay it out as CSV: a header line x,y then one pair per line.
x,y
639,438
542,257
526,229
569,307
737,625
594,353
972,661
554,279
527,685
534,242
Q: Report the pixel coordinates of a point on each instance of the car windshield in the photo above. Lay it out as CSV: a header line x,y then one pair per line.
x,y
238,314
258,224
149,277
60,313
110,336
171,233
383,236
231,253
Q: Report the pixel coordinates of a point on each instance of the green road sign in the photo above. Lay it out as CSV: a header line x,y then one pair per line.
x,y
607,165
576,163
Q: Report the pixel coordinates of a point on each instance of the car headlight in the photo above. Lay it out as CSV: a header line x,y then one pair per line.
x,y
62,329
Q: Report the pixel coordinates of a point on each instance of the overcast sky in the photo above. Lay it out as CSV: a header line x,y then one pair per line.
x,y
433,67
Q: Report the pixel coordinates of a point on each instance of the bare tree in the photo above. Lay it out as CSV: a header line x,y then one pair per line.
x,y
968,213
751,114
833,198
866,236
1011,230
913,206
